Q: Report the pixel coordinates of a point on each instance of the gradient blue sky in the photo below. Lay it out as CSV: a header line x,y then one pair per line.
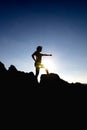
x,y
60,26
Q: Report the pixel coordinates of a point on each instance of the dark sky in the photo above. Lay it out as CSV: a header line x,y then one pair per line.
x,y
60,26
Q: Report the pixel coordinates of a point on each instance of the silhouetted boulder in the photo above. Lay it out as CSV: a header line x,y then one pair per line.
x,y
12,68
3,74
2,67
77,85
21,79
52,81
18,79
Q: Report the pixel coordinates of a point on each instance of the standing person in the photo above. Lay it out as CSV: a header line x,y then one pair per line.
x,y
37,57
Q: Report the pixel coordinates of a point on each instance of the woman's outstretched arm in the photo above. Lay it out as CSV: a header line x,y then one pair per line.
x,y
46,54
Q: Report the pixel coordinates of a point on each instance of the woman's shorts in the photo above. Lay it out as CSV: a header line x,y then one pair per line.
x,y
39,65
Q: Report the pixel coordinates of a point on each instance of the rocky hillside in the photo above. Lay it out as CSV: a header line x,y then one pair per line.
x,y
13,77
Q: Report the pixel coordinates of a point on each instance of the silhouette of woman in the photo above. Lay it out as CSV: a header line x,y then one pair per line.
x,y
37,57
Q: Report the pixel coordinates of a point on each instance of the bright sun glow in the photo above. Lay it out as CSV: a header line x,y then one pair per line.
x,y
48,64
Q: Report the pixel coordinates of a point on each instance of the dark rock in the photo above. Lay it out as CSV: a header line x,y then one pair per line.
x,y
52,81
12,68
2,67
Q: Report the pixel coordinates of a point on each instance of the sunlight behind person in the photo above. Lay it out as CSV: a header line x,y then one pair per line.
x,y
48,64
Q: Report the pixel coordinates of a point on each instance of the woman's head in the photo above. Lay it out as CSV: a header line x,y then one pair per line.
x,y
39,48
